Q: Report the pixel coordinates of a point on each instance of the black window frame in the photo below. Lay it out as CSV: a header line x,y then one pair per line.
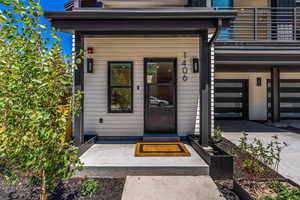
x,y
110,87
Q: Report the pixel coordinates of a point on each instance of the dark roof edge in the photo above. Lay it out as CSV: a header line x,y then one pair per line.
x,y
182,13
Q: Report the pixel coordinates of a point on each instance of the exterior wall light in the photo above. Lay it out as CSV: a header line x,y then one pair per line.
x,y
258,81
90,65
90,61
195,65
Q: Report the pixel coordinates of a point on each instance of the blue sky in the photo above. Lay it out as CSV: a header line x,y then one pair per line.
x,y
58,5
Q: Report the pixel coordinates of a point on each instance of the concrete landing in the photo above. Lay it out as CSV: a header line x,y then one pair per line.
x,y
170,187
118,160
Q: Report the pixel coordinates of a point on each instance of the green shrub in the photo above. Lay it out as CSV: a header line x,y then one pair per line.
x,y
35,84
255,153
283,192
218,134
89,187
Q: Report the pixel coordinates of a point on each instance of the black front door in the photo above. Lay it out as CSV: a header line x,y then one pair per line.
x,y
160,95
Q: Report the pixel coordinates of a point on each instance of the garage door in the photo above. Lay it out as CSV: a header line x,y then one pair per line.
x,y
289,99
231,99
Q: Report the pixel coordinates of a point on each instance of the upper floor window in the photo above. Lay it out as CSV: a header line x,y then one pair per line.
x,y
120,87
222,3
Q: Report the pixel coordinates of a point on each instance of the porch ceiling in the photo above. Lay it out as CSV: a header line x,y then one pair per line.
x,y
160,19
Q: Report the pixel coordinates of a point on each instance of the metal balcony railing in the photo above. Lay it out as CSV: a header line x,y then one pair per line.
x,y
69,5
263,24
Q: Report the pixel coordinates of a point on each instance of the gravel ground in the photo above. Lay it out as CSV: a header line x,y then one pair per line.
x,y
226,188
108,189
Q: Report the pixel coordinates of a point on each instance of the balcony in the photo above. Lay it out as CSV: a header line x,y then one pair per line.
x,y
263,24
258,39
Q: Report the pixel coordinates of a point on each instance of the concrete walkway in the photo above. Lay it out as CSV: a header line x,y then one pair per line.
x,y
292,123
170,188
290,157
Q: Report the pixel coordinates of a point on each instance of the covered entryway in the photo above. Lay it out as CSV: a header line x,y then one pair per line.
x,y
112,29
231,99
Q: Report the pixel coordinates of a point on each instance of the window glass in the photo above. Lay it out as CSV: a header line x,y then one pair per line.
x,y
237,85
290,105
228,115
120,74
121,99
290,115
160,72
225,94
161,96
228,105
120,90
290,84
289,94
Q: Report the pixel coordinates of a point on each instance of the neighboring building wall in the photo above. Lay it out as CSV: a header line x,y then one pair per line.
x,y
257,94
144,3
251,3
136,49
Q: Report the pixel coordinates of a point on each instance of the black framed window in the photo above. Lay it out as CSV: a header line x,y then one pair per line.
x,y
120,87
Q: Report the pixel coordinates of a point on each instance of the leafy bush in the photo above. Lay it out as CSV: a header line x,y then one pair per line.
x,y
89,187
283,192
35,84
257,153
218,134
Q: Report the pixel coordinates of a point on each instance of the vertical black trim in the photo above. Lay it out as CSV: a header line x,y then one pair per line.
x,y
205,86
109,86
275,94
78,130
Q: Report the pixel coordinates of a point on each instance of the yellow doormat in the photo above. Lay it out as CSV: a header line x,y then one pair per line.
x,y
161,149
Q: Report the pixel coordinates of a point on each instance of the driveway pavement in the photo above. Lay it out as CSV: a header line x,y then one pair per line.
x,y
290,157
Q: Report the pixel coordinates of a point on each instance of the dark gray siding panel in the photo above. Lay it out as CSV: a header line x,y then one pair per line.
x,y
88,3
283,3
197,3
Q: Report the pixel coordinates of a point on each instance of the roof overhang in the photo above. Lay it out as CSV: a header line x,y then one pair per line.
x,y
159,19
253,56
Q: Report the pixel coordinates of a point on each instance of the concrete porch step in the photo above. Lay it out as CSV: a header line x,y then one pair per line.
x,y
160,137
123,171
118,160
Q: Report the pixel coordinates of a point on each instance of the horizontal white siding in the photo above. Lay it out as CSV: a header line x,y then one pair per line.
x,y
136,49
257,94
